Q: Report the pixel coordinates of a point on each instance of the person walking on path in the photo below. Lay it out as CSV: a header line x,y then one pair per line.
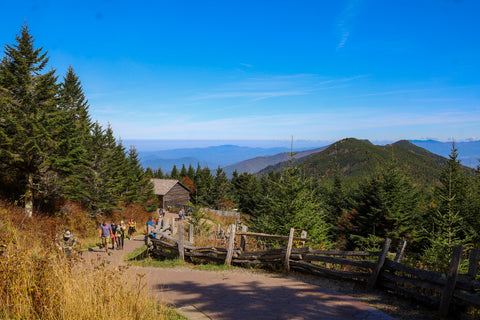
x,y
121,234
65,242
132,228
105,234
114,235
181,214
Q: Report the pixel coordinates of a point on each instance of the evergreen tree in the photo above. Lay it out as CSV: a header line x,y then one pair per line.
x,y
290,202
174,174
386,206
158,173
221,190
449,223
76,130
183,172
29,119
191,172
246,192
204,183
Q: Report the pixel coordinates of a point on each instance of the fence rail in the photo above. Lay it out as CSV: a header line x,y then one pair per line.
x,y
371,268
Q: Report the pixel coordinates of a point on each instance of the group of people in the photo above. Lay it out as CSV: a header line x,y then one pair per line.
x,y
115,233
110,234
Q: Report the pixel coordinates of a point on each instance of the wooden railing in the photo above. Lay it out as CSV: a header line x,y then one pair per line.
x,y
374,269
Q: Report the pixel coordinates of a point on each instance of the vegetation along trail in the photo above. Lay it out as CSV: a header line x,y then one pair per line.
x,y
242,294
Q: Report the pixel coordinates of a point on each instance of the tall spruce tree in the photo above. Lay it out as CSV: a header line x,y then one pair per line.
x,y
449,219
386,206
77,127
291,202
29,119
221,190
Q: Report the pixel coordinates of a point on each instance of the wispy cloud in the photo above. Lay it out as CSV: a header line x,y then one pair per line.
x,y
345,23
260,88
301,125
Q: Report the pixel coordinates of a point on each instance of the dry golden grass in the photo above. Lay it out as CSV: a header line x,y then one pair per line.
x,y
37,283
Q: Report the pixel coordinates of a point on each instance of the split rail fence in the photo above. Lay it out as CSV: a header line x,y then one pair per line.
x,y
373,269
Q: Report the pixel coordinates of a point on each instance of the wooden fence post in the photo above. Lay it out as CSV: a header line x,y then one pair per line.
x,y
303,235
147,235
231,243
181,246
243,240
473,263
400,251
289,250
190,233
451,281
174,227
378,267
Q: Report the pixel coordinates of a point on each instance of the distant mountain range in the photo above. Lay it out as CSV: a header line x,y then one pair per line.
x,y
357,158
255,159
255,165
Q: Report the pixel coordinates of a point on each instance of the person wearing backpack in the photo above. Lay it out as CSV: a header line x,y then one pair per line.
x,y
114,235
121,234
132,228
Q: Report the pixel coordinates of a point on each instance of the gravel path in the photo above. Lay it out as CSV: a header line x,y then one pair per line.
x,y
239,295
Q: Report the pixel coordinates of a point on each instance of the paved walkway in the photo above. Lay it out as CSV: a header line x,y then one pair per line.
x,y
240,295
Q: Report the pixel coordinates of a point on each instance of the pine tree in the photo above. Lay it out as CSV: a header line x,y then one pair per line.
x,y
204,183
386,206
29,119
174,174
246,191
76,132
290,202
449,223
183,172
221,190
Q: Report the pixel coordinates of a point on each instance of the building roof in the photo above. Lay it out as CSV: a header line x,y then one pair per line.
x,y
162,186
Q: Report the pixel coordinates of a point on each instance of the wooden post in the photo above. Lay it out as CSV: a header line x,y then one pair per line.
x,y
400,251
473,264
190,233
447,294
166,223
147,236
378,267
289,250
303,235
243,241
174,227
181,247
231,243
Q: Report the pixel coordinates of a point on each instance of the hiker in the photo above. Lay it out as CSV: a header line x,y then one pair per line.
x,y
105,234
121,234
132,228
65,242
114,235
181,214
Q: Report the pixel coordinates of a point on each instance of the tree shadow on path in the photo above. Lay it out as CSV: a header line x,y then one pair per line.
x,y
269,298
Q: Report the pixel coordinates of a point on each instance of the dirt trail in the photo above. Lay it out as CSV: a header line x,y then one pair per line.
x,y
242,294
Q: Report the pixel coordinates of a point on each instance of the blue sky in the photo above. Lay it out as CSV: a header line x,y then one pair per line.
x,y
269,70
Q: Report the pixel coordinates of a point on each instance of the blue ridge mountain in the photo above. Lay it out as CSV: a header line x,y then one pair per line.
x,y
357,158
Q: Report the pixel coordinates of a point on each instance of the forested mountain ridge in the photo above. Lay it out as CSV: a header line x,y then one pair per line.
x,y
358,158
256,164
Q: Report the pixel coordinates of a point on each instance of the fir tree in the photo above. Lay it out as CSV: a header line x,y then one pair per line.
x,y
449,221
29,119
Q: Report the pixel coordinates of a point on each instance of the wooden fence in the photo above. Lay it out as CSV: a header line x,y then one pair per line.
x,y
373,269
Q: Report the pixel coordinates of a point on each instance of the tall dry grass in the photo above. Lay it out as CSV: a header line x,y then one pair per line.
x,y
37,283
